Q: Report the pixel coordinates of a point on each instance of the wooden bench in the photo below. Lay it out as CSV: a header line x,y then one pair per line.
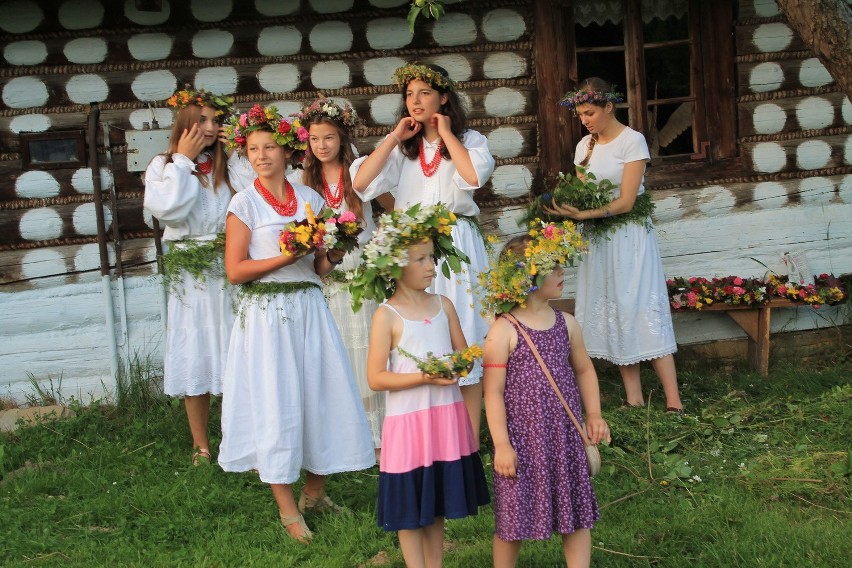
x,y
754,320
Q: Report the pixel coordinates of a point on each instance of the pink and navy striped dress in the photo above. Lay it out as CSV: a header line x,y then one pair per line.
x,y
430,465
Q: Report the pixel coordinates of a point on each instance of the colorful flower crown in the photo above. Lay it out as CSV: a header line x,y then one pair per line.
x,y
574,98
387,252
424,73
512,278
327,108
222,104
288,133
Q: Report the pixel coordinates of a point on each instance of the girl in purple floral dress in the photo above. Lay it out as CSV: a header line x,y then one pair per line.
x,y
541,479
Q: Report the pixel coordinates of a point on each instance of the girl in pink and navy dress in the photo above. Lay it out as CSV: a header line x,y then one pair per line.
x,y
430,468
541,478
290,400
188,189
326,170
431,156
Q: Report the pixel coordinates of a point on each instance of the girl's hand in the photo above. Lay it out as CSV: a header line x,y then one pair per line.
x,y
444,125
597,429
505,461
407,128
224,141
191,142
565,211
439,380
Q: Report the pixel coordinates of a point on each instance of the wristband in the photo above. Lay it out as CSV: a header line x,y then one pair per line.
x,y
398,141
333,263
607,213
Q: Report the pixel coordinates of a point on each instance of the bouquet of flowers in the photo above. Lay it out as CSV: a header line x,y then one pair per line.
x,y
690,293
826,289
584,192
327,230
456,364
695,293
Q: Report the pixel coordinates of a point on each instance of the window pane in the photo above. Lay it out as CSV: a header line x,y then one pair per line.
x,y
670,129
597,23
665,20
667,72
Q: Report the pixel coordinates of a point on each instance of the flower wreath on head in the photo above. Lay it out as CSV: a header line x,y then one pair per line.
x,y
423,73
512,278
387,252
289,133
222,104
574,98
328,108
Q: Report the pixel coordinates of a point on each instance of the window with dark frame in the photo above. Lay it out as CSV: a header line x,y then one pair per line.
x,y
673,59
53,150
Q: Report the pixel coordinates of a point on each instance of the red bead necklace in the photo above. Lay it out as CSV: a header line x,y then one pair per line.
x,y
333,200
287,209
205,167
432,167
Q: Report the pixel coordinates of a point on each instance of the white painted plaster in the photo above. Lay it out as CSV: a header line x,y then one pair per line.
x,y
275,41
847,151
286,108
769,157
503,24
331,6
765,8
83,89
668,209
222,80
30,123
81,180
20,16
164,117
85,221
813,154
385,108
507,224
276,7
146,18
330,75
25,92
85,50
466,101
154,85
211,10
40,224
80,14
812,73
505,142
766,77
379,71
814,112
458,66
770,195
715,201
150,47
772,37
846,110
845,187
511,181
208,44
769,118
388,33
455,28
816,191
36,184
88,257
279,77
25,52
504,101
38,263
331,37
504,66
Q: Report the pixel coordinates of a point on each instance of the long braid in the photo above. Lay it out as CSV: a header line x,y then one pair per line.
x,y
592,141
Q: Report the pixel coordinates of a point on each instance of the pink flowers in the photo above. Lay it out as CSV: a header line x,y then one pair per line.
x,y
302,134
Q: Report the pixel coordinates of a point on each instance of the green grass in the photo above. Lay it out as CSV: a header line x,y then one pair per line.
x,y
756,474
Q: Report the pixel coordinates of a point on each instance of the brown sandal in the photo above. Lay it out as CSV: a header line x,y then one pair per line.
x,y
319,504
201,454
287,521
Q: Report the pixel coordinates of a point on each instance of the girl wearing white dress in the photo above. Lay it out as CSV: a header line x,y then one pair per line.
x,y
430,157
622,300
290,400
188,189
326,170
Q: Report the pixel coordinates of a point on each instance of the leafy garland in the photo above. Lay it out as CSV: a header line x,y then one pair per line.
x,y
263,292
583,192
697,292
196,258
455,364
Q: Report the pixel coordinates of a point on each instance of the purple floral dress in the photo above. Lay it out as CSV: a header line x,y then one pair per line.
x,y
552,492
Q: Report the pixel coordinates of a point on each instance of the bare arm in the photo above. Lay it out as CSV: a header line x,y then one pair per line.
x,y
498,347
238,266
375,162
587,381
630,181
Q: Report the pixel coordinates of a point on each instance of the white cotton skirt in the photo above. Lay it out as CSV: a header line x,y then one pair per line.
x,y
463,290
622,300
289,398
199,321
355,330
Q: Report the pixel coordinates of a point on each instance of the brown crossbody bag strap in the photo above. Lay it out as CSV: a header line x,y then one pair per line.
x,y
525,335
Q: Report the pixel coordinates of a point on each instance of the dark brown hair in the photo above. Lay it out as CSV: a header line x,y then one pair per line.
x,y
312,167
184,120
453,108
598,85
